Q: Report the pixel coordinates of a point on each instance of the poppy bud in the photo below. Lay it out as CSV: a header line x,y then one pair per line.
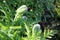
x,y
36,29
24,18
20,11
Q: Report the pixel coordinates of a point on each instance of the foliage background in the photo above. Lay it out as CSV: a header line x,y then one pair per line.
x,y
39,11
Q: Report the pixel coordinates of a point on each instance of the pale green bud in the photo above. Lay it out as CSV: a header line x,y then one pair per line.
x,y
24,18
36,29
20,11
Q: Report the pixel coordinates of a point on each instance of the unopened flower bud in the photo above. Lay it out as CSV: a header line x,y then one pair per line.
x,y
20,11
24,18
23,8
36,28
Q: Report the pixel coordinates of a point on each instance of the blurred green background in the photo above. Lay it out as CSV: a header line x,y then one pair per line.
x,y
46,12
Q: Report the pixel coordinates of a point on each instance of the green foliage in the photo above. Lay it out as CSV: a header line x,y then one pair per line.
x,y
17,23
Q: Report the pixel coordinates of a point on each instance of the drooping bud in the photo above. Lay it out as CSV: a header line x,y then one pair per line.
x,y
20,11
36,29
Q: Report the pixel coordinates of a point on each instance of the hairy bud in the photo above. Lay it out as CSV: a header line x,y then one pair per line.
x,y
36,29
